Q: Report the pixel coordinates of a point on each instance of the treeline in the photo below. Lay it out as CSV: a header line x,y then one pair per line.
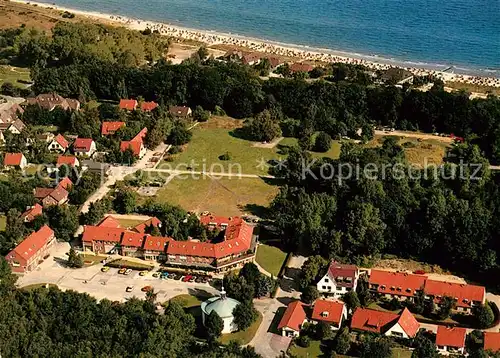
x,y
445,219
51,323
338,108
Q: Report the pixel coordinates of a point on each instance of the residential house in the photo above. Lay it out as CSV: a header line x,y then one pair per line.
x,y
301,67
15,127
330,312
15,160
128,104
96,167
251,59
466,296
84,147
275,62
180,111
293,319
32,212
9,111
65,183
492,342
141,228
148,106
102,240
155,247
52,196
109,128
338,280
403,325
131,244
450,340
58,144
67,160
50,101
109,221
31,251
391,284
136,144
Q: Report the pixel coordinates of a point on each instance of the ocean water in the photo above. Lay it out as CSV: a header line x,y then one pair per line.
x,y
440,33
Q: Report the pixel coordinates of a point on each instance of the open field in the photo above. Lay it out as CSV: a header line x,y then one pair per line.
x,y
224,196
14,75
314,350
418,152
469,87
270,258
3,222
242,337
186,300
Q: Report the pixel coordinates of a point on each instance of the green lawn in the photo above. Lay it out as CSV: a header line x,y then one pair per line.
x,y
13,75
3,222
224,196
38,285
314,350
187,301
132,264
242,337
401,353
270,258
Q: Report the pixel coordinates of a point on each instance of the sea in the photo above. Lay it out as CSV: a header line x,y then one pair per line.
x,y
461,36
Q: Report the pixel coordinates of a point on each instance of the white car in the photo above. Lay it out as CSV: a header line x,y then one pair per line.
x,y
128,271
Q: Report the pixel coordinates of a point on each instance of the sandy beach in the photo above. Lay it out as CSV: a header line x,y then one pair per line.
x,y
298,53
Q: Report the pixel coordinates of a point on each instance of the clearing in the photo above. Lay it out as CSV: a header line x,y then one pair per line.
x,y
270,258
18,76
3,222
223,196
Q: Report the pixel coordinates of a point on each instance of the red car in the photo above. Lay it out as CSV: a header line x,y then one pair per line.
x,y
186,278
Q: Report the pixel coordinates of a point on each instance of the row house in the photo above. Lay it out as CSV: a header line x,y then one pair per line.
x,y
131,244
50,101
404,286
26,256
403,325
338,280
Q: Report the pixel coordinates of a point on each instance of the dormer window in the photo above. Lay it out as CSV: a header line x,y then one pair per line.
x,y
324,314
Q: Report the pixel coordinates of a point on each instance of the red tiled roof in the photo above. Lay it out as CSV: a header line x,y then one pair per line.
x,y
111,127
339,272
140,136
142,226
301,67
293,317
148,106
128,104
34,242
132,239
372,321
328,311
156,243
35,210
59,193
65,183
62,141
451,337
397,283
182,111
134,145
82,144
13,159
408,322
66,160
464,294
492,341
109,221
96,233
41,193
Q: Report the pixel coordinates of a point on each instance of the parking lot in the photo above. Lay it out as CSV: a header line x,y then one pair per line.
x,y
110,284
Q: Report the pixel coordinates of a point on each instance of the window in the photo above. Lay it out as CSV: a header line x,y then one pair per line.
x,y
326,280
329,288
323,287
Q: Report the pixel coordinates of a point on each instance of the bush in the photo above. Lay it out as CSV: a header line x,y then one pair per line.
x,y
309,294
323,142
304,341
200,115
225,156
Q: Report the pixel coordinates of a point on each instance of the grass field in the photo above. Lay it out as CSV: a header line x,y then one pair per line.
x,y
3,222
186,300
242,337
224,196
314,350
418,153
270,258
13,75
401,353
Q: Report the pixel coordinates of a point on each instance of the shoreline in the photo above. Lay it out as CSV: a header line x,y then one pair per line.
x,y
300,52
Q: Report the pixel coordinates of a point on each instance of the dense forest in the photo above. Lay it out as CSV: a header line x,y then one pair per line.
x,y
51,323
428,215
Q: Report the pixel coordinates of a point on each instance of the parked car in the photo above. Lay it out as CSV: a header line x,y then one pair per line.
x,y
205,279
192,279
186,278
156,274
172,275
199,279
143,273
129,288
146,288
128,271
165,275
105,269
122,271
177,277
